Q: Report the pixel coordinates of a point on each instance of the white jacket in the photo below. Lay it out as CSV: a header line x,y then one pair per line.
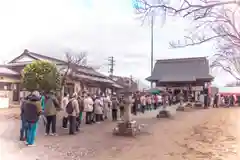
x,y
88,104
98,107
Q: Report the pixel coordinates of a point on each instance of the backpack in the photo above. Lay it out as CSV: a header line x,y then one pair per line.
x,y
69,108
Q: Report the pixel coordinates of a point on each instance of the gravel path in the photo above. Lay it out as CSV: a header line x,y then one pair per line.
x,y
197,134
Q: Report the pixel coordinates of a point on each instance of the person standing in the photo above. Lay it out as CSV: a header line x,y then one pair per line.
x,y
23,129
80,100
106,102
155,98
31,111
72,110
50,111
88,108
215,101
65,115
143,103
115,104
121,106
98,109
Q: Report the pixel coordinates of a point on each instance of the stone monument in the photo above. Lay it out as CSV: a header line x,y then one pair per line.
x,y
127,126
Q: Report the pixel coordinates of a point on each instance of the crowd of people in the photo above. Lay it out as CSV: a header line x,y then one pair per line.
x,y
224,100
76,109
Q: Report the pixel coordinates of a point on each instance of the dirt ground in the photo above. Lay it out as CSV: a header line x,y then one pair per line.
x,y
196,134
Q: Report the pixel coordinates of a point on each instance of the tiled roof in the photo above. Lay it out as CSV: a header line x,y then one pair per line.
x,y
7,71
183,69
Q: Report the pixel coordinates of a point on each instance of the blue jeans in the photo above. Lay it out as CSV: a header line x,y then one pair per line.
x,y
23,130
31,133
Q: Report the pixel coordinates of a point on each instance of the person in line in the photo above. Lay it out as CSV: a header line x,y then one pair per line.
x,y
81,109
88,108
31,111
43,117
149,102
102,104
155,99
50,111
23,129
215,101
98,109
65,115
121,106
93,115
72,110
136,103
143,103
106,102
115,104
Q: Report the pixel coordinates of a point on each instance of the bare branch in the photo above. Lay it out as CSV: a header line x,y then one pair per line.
x,y
73,60
213,21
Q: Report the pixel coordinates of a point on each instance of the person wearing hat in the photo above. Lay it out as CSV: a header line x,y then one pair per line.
x,y
31,111
72,110
50,111
88,108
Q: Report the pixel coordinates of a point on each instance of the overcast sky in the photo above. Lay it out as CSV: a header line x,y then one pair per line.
x,y
103,28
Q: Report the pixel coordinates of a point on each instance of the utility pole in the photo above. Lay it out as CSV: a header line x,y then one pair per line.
x,y
111,65
152,46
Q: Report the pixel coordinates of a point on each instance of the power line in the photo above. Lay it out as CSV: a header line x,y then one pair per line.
x,y
111,65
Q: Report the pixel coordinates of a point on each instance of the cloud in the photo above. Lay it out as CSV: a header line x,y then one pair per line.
x,y
103,28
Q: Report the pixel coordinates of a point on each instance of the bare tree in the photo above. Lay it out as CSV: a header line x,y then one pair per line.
x,y
213,21
72,61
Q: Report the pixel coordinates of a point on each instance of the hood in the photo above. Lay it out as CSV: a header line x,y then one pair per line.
x,y
33,98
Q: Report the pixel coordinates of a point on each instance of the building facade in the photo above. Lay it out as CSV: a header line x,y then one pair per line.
x,y
182,74
79,78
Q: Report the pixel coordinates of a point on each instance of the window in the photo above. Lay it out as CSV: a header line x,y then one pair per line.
x,y
5,86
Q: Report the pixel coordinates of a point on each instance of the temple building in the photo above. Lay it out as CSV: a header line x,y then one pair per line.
x,y
182,74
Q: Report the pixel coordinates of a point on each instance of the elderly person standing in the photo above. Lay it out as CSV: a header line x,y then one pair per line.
x,y
72,110
50,111
106,102
88,108
98,109
115,106
31,111
65,115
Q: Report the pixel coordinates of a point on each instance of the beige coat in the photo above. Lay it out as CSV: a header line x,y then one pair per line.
x,y
98,107
75,107
88,104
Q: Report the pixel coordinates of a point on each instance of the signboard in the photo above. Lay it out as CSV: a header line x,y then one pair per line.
x,y
4,99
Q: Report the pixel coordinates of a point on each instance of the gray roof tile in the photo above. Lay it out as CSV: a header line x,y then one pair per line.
x,y
183,69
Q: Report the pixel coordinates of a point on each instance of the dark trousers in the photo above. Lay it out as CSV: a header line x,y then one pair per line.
x,y
88,117
23,130
143,108
64,122
72,124
148,106
134,109
215,105
51,122
114,114
78,123
155,105
121,111
98,117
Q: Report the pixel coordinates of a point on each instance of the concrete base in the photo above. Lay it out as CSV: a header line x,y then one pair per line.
x,y
163,114
180,108
130,128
